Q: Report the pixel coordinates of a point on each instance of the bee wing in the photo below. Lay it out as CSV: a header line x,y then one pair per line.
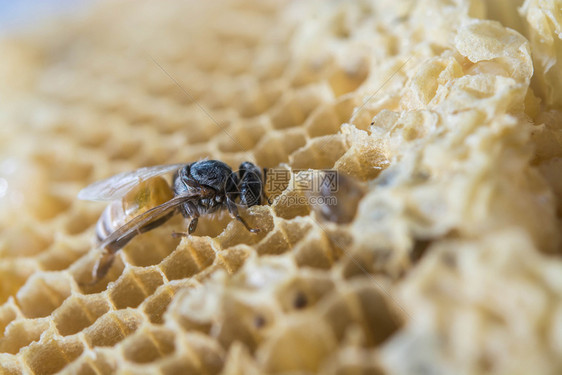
x,y
117,186
128,229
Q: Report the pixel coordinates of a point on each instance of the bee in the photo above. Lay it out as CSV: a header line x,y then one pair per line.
x,y
142,200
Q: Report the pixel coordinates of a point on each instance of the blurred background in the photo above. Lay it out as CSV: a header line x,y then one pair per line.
x,y
17,15
141,83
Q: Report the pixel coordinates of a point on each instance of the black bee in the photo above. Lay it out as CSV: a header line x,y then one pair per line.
x,y
142,200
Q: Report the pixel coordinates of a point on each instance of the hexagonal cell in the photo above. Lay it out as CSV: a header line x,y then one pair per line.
x,y
10,364
200,127
275,147
25,240
179,365
259,217
61,255
164,142
94,362
243,319
81,271
192,309
295,106
234,159
328,118
286,235
64,169
9,311
258,100
206,353
80,219
275,243
242,135
43,293
233,258
15,273
191,256
155,306
43,201
365,304
79,312
113,327
319,153
381,317
334,197
380,257
312,68
349,75
81,367
193,152
136,107
211,225
322,122
299,344
291,204
239,360
219,98
296,229
150,248
316,250
235,52
51,354
305,290
92,136
270,65
134,285
149,344
171,123
49,205
158,152
364,150
277,180
20,333
351,359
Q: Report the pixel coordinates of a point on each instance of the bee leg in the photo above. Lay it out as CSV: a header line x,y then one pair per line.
x,y
233,210
102,266
191,229
193,212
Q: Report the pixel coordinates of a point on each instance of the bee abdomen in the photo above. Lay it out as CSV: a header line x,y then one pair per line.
x,y
110,220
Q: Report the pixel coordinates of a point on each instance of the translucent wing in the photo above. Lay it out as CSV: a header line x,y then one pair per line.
x,y
117,186
125,233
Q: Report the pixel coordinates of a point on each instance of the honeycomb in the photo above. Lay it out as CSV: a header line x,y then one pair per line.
x,y
446,115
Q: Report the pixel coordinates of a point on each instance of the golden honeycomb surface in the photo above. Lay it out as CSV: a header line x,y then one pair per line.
x,y
448,114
